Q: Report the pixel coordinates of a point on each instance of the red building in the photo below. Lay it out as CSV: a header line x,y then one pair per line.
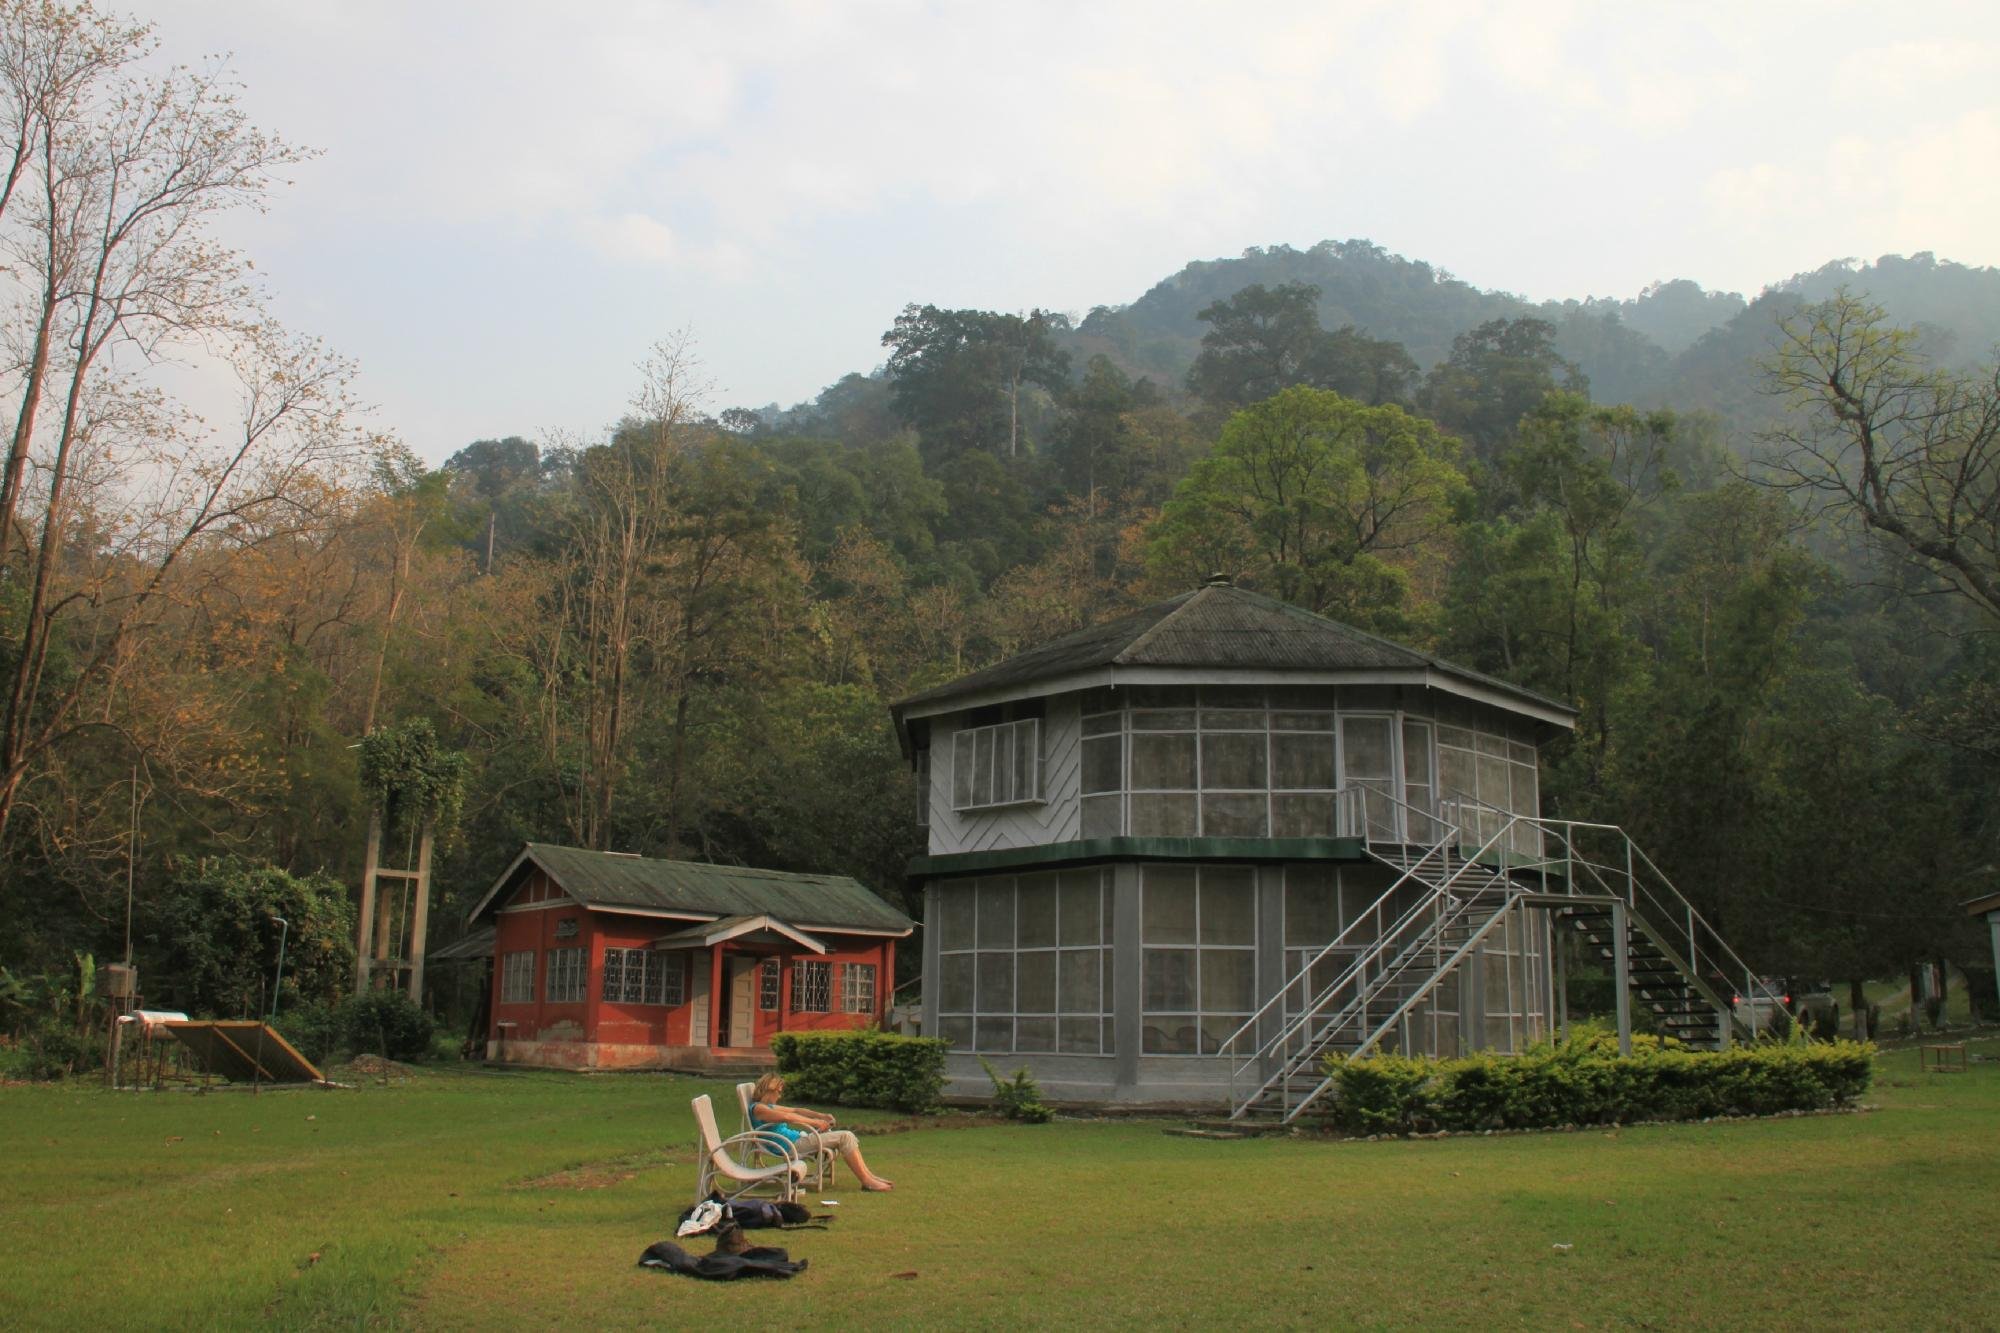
x,y
608,960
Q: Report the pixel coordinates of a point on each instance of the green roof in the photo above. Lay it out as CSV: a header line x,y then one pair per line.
x,y
613,881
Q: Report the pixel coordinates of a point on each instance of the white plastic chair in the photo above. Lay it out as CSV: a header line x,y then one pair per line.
x,y
720,1172
822,1161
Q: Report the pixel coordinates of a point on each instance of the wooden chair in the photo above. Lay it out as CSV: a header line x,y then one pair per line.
x,y
720,1172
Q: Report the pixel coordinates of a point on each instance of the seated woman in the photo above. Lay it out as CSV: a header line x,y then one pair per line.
x,y
807,1131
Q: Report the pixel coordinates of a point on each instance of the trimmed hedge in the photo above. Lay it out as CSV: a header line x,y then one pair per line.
x,y
1584,1083
862,1069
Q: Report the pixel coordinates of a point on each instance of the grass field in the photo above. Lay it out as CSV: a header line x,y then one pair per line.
x,y
478,1199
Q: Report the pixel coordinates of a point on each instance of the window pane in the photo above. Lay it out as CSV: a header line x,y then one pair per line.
x,y
1493,781
1302,815
1456,773
1302,721
1035,1034
1457,736
1232,719
1027,751
1078,971
1235,816
1169,980
1163,816
1079,907
982,766
957,1032
1228,981
1365,741
1171,1036
993,1034
1234,761
1312,907
1079,1036
1163,763
955,983
996,913
1228,907
1103,816
1177,720
1519,753
1103,724
1102,766
996,983
1302,760
1232,696
1486,744
1523,790
1169,905
1035,982
955,908
961,770
1037,911
1416,754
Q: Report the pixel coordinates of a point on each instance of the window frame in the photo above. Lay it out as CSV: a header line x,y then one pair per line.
x,y
1003,741
516,988
812,980
857,977
568,971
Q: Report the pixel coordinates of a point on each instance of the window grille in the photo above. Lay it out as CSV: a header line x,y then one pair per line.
x,y
997,765
857,988
812,988
644,976
767,986
517,978
567,974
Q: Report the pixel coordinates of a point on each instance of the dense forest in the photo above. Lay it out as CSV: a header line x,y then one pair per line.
x,y
1754,541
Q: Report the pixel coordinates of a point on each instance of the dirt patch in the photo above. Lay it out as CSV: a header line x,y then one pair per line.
x,y
599,1175
375,1066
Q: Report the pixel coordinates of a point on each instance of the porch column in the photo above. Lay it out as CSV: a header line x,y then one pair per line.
x,y
885,993
1127,979
1621,972
784,988
716,1036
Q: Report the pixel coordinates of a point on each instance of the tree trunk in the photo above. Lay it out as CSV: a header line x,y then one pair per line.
x,y
1857,999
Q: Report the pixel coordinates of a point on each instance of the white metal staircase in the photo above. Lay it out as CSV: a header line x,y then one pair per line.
x,y
1387,961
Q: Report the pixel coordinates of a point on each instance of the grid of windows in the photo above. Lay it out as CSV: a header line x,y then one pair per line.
x,y
1235,762
767,986
1198,927
857,988
517,978
1515,985
1025,963
1496,773
812,987
644,976
567,976
997,765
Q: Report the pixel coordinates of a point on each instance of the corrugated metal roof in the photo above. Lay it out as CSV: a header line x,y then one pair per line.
x,y
478,944
612,880
1221,627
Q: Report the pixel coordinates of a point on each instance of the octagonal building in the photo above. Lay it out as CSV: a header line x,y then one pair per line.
x,y
1144,837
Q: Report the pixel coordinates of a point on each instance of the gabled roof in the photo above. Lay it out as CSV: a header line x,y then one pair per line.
x,y
1222,628
694,891
761,929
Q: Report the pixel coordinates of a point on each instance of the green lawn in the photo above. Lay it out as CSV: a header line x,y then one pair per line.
x,y
473,1199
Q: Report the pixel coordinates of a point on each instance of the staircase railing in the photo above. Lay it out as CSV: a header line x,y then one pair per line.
x,y
1378,952
1603,860
1563,858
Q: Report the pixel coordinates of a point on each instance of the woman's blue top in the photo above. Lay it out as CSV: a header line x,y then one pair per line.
x,y
790,1133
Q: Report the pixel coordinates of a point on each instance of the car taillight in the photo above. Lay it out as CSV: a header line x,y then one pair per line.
x,y
1736,999
1788,999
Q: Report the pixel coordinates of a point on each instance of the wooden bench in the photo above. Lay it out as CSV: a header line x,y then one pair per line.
x,y
1948,1059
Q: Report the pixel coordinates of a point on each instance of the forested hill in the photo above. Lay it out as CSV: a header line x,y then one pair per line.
x,y
1675,343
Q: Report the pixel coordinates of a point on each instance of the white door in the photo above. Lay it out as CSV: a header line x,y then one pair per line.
x,y
742,1001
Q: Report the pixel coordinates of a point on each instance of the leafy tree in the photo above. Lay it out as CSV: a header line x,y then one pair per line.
x,y
957,376
1262,340
208,940
1315,497
1496,374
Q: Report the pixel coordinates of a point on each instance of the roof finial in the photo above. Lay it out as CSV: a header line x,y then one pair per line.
x,y
1218,580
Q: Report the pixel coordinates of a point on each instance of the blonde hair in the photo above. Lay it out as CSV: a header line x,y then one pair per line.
x,y
767,1085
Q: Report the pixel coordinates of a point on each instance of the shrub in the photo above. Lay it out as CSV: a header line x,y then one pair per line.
x,y
53,1048
313,1029
1019,1098
1580,1082
387,1023
862,1068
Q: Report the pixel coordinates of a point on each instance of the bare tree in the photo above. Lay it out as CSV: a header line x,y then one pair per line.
x,y
1881,436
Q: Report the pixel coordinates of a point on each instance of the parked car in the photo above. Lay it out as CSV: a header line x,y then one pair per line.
x,y
1759,1007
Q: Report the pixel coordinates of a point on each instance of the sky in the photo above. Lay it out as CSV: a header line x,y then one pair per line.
x,y
513,201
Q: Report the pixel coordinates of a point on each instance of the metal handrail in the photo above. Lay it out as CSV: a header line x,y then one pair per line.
x,y
1654,898
1370,951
